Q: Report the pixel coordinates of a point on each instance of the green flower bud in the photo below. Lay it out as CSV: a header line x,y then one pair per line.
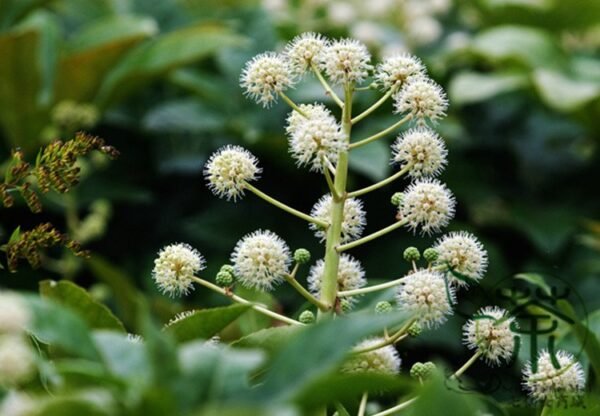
x,y
224,279
422,371
345,305
307,317
412,254
227,268
302,256
430,255
396,199
415,329
383,307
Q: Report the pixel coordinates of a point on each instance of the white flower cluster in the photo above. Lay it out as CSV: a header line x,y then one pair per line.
x,y
383,360
425,296
490,333
423,99
315,138
228,170
350,275
353,220
464,255
554,386
260,260
422,149
175,268
398,69
427,204
346,60
265,76
304,51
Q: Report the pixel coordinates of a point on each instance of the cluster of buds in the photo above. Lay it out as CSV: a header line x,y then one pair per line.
x,y
29,245
55,168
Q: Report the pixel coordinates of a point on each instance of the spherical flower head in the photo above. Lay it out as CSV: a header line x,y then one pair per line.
x,y
224,278
17,361
463,254
490,333
430,255
427,204
346,60
265,76
383,307
411,254
414,330
315,137
302,256
350,275
353,221
307,317
422,98
384,360
397,198
228,170
425,296
423,150
304,50
555,386
422,371
260,260
14,313
395,70
175,268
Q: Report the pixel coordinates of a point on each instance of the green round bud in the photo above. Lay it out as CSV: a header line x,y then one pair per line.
x,y
429,368
345,305
302,256
412,254
397,198
227,268
224,279
307,317
417,370
383,307
430,255
415,329
422,371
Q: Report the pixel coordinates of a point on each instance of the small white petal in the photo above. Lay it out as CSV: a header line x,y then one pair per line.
x,y
353,221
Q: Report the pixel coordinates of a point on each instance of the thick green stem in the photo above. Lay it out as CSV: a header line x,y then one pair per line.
x,y
283,206
332,257
305,293
380,134
373,236
239,299
382,183
362,408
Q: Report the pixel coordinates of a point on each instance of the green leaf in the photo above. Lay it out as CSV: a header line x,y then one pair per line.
x,y
472,87
123,357
529,46
97,404
205,323
269,339
57,326
563,93
158,57
317,350
535,279
76,298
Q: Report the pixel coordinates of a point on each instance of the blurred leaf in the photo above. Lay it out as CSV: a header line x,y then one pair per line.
x,y
563,93
123,357
527,45
77,299
269,339
97,403
372,160
254,321
182,116
204,324
167,52
548,229
471,87
57,326
535,279
13,10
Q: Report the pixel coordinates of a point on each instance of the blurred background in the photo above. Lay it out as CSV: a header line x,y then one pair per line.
x,y
158,79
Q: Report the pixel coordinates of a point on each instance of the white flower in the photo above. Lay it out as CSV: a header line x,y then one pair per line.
x,y
350,275
135,338
424,30
175,267
180,317
422,98
384,360
265,76
397,69
353,221
463,254
346,60
555,386
422,148
489,332
14,313
315,137
260,260
228,170
16,403
304,50
17,361
341,13
425,296
427,203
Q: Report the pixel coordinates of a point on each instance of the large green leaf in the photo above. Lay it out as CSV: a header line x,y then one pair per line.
x,y
472,87
158,57
124,357
97,403
57,326
269,339
94,52
76,298
205,323
563,93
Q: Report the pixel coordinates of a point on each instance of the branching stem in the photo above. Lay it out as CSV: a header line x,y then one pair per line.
x,y
292,104
380,134
327,87
381,183
371,237
370,289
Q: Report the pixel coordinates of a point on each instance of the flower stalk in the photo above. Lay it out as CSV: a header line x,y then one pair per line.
x,y
372,236
381,133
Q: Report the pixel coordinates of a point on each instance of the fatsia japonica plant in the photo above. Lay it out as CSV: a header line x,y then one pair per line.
x,y
322,142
